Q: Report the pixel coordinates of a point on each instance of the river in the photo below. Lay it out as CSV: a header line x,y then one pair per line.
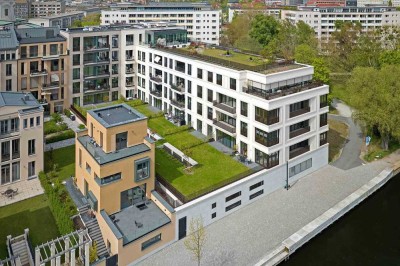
x,y
368,235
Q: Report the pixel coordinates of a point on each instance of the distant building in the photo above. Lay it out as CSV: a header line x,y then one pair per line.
x,y
326,3
21,137
275,12
63,20
22,8
7,10
46,8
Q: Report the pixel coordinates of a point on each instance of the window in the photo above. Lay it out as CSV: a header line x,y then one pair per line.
x,y
323,119
301,167
234,205
8,85
38,121
243,108
5,151
209,113
199,91
80,158
209,95
121,140
76,59
76,44
8,69
214,205
235,195
266,117
4,127
199,109
88,168
189,69
213,215
258,193
323,138
31,169
299,108
25,123
5,174
15,172
189,103
76,87
31,147
323,101
33,51
151,241
199,73
267,160
219,79
142,169
267,139
76,73
32,122
109,179
243,128
232,84
256,185
210,76
189,86
129,39
15,148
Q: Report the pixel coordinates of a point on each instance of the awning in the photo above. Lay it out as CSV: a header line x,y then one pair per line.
x,y
54,77
157,59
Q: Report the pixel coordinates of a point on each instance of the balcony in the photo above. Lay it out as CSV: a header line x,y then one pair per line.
x,y
224,107
157,93
323,122
8,132
179,88
178,104
299,151
129,84
156,79
298,132
51,85
99,74
129,58
299,112
15,155
98,47
129,71
267,120
225,126
267,143
37,73
93,88
323,104
322,142
97,61
54,55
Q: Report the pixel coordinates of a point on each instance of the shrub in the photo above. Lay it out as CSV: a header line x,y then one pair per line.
x,y
67,134
56,117
52,127
67,112
81,126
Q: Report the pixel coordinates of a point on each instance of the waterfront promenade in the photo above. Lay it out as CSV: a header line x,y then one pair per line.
x,y
249,234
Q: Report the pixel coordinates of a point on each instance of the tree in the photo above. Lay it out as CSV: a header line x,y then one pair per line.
x,y
305,54
264,29
93,252
390,57
89,20
196,239
238,28
375,96
321,70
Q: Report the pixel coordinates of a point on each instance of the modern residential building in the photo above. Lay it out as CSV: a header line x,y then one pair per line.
x,y
115,171
21,137
43,66
22,8
201,20
323,19
63,20
233,11
46,8
326,3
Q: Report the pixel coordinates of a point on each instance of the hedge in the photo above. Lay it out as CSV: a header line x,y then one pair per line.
x,y
67,134
61,204
52,127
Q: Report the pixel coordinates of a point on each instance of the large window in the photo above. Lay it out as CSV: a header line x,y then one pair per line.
x,y
142,169
323,100
199,73
209,95
267,139
243,128
5,151
199,109
298,168
232,84
243,108
200,91
121,140
151,241
31,147
267,117
109,179
76,44
15,172
31,169
5,174
219,79
267,160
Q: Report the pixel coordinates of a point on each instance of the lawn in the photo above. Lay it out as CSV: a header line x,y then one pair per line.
x,y
65,160
337,136
375,151
33,213
235,57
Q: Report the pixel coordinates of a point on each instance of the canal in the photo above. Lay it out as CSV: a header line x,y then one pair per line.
x,y
368,235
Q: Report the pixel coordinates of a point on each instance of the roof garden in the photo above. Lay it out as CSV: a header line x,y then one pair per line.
x,y
233,58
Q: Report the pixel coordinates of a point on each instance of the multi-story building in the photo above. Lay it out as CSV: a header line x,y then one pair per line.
x,y
201,20
115,171
7,10
324,3
21,137
46,8
233,11
323,19
8,59
42,66
63,20
22,8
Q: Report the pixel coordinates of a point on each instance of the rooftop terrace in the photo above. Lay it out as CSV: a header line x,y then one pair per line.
x,y
116,115
234,59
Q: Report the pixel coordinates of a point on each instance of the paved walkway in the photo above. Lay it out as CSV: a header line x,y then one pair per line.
x,y
247,235
350,156
26,189
59,144
74,125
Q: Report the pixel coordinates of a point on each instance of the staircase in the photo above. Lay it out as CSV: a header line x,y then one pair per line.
x,y
94,230
20,249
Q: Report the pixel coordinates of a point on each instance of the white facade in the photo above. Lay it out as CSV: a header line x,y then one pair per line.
x,y
64,20
275,12
201,22
322,20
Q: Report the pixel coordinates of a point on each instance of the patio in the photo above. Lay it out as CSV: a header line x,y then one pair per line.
x,y
25,189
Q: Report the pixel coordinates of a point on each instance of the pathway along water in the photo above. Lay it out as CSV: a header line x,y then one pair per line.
x,y
367,235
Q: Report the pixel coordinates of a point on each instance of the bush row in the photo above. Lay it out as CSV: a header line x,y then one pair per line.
x,y
51,127
61,204
67,134
176,130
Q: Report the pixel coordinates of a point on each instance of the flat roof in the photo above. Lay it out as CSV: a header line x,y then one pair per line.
x,y
117,27
103,158
146,214
116,115
73,13
39,35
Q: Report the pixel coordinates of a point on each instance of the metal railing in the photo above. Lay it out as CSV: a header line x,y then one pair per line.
x,y
156,93
270,120
178,104
299,112
298,151
298,132
225,107
179,88
156,79
231,129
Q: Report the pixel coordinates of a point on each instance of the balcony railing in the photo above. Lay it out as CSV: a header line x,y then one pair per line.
x,y
8,132
178,104
99,46
180,69
323,104
129,58
268,120
267,143
156,93
322,142
15,155
129,84
156,79
323,122
299,112
225,126
226,108
179,88
296,152
268,94
94,88
129,71
104,60
104,73
37,73
51,85
298,132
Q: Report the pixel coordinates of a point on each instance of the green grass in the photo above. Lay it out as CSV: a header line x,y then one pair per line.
x,y
337,136
235,57
375,151
33,213
64,158
52,127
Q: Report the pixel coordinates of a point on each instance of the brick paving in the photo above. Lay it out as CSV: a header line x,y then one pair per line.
x,y
247,235
26,189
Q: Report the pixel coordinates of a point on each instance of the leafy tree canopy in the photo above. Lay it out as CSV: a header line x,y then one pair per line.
x,y
264,29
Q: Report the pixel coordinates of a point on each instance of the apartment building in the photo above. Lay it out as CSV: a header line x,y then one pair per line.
x,y
22,8
21,137
234,11
46,8
322,19
42,66
63,20
7,10
201,20
8,59
115,171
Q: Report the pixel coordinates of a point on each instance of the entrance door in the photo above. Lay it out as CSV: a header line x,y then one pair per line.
x,y
182,228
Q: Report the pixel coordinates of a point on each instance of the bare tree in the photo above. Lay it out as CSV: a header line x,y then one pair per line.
x,y
196,239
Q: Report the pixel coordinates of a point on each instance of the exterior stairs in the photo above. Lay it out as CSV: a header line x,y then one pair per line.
x,y
20,249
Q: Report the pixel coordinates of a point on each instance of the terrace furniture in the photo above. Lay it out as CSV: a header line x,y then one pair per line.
x,y
10,193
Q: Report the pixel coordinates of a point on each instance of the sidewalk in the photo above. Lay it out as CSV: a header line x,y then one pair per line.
x,y
247,235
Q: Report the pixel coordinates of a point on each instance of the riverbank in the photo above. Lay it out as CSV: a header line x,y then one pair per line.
x,y
249,234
